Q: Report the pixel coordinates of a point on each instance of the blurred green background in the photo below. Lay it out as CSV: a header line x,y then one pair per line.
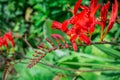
x,y
34,17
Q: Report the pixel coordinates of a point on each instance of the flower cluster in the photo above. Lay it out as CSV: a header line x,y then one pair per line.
x,y
83,22
4,40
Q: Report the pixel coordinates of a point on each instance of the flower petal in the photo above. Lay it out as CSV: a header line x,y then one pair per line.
x,y
113,16
56,25
93,10
92,26
84,38
65,26
3,42
74,46
103,15
8,36
73,38
93,4
77,5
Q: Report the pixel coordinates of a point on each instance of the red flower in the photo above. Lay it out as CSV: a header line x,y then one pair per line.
x,y
4,40
8,36
113,16
103,15
56,25
61,26
104,12
83,22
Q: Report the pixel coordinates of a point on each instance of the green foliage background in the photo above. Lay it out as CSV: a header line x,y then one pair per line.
x,y
34,17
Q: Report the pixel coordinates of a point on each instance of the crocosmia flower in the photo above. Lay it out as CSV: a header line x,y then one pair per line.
x,y
3,42
83,22
7,37
113,16
103,17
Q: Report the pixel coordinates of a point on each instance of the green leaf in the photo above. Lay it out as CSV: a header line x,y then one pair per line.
x,y
89,76
109,51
